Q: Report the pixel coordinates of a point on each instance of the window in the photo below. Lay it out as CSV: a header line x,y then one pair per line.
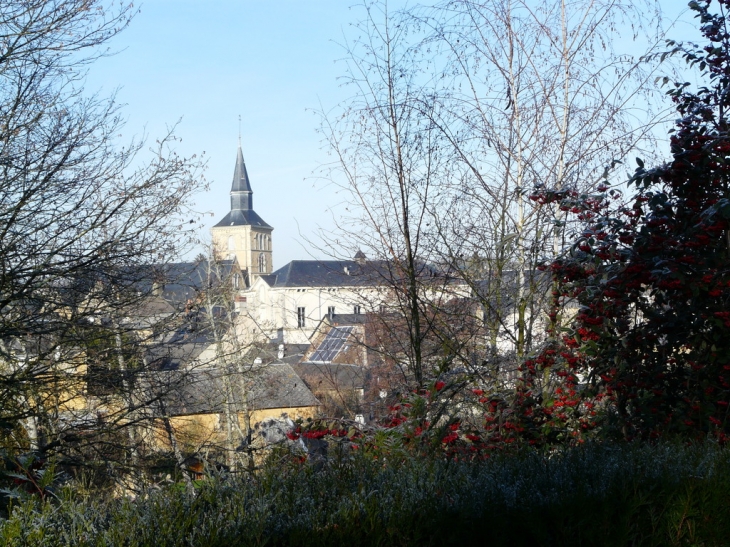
x,y
330,311
356,310
231,243
236,281
262,263
301,317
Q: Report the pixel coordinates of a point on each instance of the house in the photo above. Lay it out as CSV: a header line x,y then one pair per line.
x,y
288,304
216,410
213,347
336,366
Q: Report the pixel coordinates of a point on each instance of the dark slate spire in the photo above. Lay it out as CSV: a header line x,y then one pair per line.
x,y
241,194
242,212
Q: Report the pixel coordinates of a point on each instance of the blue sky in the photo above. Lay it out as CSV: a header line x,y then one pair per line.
x,y
207,62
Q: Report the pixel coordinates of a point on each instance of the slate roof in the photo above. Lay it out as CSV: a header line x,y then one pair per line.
x,y
269,353
203,391
348,319
239,217
182,281
184,345
328,273
330,376
242,213
240,175
357,272
155,306
174,356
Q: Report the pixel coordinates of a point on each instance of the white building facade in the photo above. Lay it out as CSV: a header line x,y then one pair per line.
x,y
286,305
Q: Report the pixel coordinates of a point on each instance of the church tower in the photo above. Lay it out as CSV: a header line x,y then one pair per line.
x,y
242,233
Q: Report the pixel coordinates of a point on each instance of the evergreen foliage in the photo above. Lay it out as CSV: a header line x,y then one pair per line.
x,y
648,353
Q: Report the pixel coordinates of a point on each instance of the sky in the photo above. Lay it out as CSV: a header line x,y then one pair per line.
x,y
205,63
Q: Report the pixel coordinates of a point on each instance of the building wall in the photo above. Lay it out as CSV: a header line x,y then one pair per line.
x,y
197,430
272,312
245,247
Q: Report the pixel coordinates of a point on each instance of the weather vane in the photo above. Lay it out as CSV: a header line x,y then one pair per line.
x,y
239,130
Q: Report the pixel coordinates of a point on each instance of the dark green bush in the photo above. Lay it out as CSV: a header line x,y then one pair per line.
x,y
594,495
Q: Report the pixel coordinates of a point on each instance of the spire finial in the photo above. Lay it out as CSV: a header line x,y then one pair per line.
x,y
239,130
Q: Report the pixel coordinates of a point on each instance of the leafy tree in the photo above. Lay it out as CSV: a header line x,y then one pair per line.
x,y
645,283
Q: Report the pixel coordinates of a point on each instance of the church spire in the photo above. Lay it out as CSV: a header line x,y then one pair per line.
x,y
241,194
242,213
242,234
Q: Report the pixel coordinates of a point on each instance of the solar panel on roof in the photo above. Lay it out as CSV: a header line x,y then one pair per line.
x,y
331,345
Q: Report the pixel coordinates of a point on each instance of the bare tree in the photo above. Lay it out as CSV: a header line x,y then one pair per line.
x,y
387,155
534,94
82,219
459,110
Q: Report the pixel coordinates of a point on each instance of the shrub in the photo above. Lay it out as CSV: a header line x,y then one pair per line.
x,y
590,495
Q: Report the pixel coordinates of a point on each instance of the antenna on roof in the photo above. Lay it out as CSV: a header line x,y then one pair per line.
x,y
239,130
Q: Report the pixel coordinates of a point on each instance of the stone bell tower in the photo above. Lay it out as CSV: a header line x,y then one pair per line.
x,y
242,233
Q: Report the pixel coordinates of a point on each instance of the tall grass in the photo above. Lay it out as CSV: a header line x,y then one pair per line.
x,y
595,495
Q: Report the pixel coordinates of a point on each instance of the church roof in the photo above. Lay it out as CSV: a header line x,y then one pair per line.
x,y
242,213
240,175
240,217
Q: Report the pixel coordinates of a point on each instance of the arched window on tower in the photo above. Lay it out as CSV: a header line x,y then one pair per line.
x,y
262,263
231,243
